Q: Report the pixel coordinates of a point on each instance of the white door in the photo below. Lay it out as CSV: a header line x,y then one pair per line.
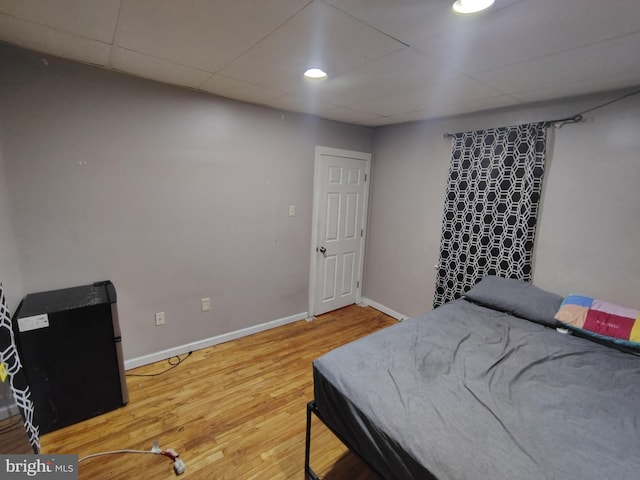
x,y
340,201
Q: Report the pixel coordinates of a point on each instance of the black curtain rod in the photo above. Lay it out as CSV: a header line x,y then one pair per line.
x,y
558,123
577,118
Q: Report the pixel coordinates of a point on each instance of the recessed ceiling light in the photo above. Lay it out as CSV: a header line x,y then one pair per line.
x,y
315,74
471,6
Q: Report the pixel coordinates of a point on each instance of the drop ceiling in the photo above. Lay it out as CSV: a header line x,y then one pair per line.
x,y
389,61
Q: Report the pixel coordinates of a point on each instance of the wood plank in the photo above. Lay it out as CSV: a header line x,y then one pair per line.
x,y
233,411
13,436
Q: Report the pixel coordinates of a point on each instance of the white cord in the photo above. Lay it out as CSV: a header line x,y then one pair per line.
x,y
178,464
100,454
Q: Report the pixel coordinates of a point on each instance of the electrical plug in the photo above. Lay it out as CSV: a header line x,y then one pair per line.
x,y
178,466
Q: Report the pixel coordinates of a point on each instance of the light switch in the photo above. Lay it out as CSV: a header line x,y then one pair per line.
x,y
292,210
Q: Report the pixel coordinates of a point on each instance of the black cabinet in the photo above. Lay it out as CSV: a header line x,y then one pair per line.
x,y
70,347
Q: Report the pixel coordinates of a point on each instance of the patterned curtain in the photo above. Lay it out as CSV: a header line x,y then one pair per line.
x,y
491,207
11,367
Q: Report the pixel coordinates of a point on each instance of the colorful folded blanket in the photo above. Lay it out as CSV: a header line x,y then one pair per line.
x,y
601,319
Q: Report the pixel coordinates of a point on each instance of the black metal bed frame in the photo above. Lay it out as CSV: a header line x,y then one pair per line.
x,y
309,474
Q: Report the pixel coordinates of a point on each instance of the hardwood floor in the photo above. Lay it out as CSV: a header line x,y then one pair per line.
x,y
13,437
233,411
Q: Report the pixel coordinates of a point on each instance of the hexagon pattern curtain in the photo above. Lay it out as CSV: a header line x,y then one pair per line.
x,y
11,370
491,207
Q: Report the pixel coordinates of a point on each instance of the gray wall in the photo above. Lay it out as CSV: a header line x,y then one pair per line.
x,y
175,195
589,226
171,194
9,269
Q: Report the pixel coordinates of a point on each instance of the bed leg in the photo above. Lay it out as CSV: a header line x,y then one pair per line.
x,y
309,474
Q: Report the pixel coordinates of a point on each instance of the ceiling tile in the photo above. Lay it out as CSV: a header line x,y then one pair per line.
x,y
297,103
528,30
55,42
157,69
436,96
410,21
457,108
202,34
239,90
407,20
624,80
348,115
400,70
88,18
599,61
319,36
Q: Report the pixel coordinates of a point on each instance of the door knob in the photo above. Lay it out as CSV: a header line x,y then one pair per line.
x,y
322,250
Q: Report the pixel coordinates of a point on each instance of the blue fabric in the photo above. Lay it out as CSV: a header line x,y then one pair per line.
x,y
579,300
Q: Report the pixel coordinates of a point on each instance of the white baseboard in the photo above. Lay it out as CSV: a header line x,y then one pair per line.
x,y
209,342
386,310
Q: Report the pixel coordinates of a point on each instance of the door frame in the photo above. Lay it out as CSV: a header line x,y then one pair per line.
x,y
321,151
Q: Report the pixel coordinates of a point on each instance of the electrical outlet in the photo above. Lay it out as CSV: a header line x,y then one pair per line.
x,y
160,320
292,210
205,304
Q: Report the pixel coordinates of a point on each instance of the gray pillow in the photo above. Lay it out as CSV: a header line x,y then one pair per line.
x,y
516,297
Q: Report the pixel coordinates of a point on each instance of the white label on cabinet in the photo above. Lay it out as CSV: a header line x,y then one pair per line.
x,y
33,323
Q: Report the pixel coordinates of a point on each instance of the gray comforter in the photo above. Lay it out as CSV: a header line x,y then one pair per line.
x,y
472,393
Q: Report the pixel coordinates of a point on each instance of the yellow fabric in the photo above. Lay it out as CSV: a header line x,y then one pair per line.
x,y
635,331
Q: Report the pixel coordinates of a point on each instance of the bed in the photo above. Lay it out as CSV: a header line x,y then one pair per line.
x,y
483,388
